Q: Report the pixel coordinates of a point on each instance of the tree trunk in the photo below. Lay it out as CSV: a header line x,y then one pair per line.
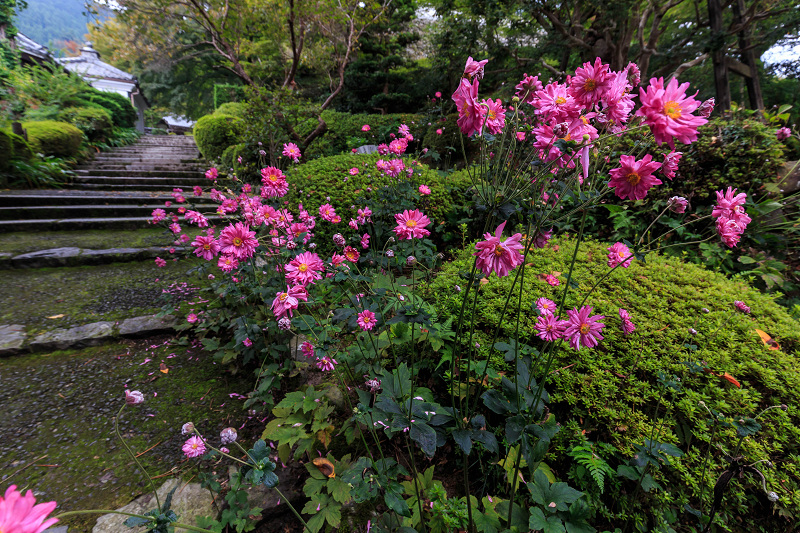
x,y
721,82
748,57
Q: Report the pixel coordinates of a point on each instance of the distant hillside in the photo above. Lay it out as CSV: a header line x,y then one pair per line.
x,y
49,21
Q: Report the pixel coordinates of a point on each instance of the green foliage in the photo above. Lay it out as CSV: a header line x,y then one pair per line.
x,y
608,388
226,93
301,419
122,111
94,122
234,109
6,151
54,138
327,494
214,133
344,131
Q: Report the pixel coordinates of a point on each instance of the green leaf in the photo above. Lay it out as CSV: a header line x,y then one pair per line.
x,y
487,521
496,402
338,489
519,516
396,504
553,497
746,426
135,521
461,436
425,436
514,427
548,524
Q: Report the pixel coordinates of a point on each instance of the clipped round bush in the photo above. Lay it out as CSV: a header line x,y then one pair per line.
x,y
328,181
122,111
448,142
344,131
610,392
94,122
214,133
49,137
234,109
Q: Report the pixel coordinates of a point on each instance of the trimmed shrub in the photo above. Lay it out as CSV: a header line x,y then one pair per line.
x,y
122,111
94,122
214,133
6,151
344,131
54,138
234,109
22,150
609,392
327,180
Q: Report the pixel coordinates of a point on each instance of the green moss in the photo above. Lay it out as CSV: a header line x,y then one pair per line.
x,y
86,294
234,109
214,133
54,138
59,410
610,391
21,242
94,122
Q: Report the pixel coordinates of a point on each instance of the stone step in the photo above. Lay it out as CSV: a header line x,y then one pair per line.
x,y
69,224
71,256
124,159
143,186
88,211
142,167
140,182
82,173
89,198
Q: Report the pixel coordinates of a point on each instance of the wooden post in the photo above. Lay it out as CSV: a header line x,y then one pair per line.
x,y
721,82
748,58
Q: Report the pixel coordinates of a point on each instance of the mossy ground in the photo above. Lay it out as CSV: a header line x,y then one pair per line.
x,y
87,294
57,432
20,242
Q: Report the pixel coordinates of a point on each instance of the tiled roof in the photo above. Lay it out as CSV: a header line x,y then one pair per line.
x,y
29,46
88,65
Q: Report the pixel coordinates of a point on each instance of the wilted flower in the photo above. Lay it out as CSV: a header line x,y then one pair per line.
x,y
783,134
285,324
133,397
741,306
678,204
187,428
228,435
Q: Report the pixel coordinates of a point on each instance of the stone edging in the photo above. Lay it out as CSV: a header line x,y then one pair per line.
x,y
74,256
15,340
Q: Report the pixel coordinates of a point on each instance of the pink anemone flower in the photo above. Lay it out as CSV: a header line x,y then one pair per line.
x,y
411,225
632,179
582,329
668,112
21,514
497,255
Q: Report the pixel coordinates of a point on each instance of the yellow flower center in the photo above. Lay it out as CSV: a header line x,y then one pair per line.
x,y
411,223
283,296
672,109
498,250
237,241
561,100
584,329
633,178
366,319
621,254
273,178
491,114
589,85
303,267
206,247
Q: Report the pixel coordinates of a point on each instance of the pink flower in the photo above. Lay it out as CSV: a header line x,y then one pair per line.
x,y
520,136
206,247
308,349
196,218
383,149
365,128
627,325
549,327
495,116
327,212
437,94
228,435
198,190
545,306
194,447
366,320
354,171
731,206
542,237
304,269
291,151
212,173
337,259
678,204
191,318
474,69
238,241
741,306
554,103
424,190
552,280
470,114
326,363
351,254
247,342
526,89
175,227
590,83
404,130
227,263
668,112
160,263
632,179
286,302
158,215
670,165
365,241
411,225
439,131
133,397
783,133
582,329
496,255
273,183
729,231
619,253
21,514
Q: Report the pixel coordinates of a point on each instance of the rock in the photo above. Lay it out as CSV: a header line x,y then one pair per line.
x,y
334,395
57,529
367,149
294,348
142,326
189,502
46,258
12,338
78,337
789,177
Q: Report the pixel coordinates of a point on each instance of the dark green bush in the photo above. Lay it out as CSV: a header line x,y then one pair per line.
x,y
54,138
327,180
234,109
610,392
22,150
94,122
122,111
344,131
214,133
6,151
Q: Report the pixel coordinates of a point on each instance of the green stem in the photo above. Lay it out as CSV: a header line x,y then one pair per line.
x,y
293,509
130,452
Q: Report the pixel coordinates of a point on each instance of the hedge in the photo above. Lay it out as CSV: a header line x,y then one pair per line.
x,y
54,138
234,109
122,111
344,131
609,392
94,122
214,133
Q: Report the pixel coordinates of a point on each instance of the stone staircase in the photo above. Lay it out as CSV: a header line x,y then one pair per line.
x,y
116,190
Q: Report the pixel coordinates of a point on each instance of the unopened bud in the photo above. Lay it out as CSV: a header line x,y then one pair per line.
x,y
706,108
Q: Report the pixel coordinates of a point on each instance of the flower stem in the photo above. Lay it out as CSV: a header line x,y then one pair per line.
x,y
133,456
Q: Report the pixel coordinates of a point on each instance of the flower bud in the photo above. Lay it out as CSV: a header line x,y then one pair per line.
x,y
411,260
677,204
133,397
228,435
705,109
561,130
187,428
772,496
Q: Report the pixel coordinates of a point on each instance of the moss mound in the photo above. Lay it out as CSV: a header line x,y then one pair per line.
x,y
94,122
214,133
54,138
610,392
234,109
